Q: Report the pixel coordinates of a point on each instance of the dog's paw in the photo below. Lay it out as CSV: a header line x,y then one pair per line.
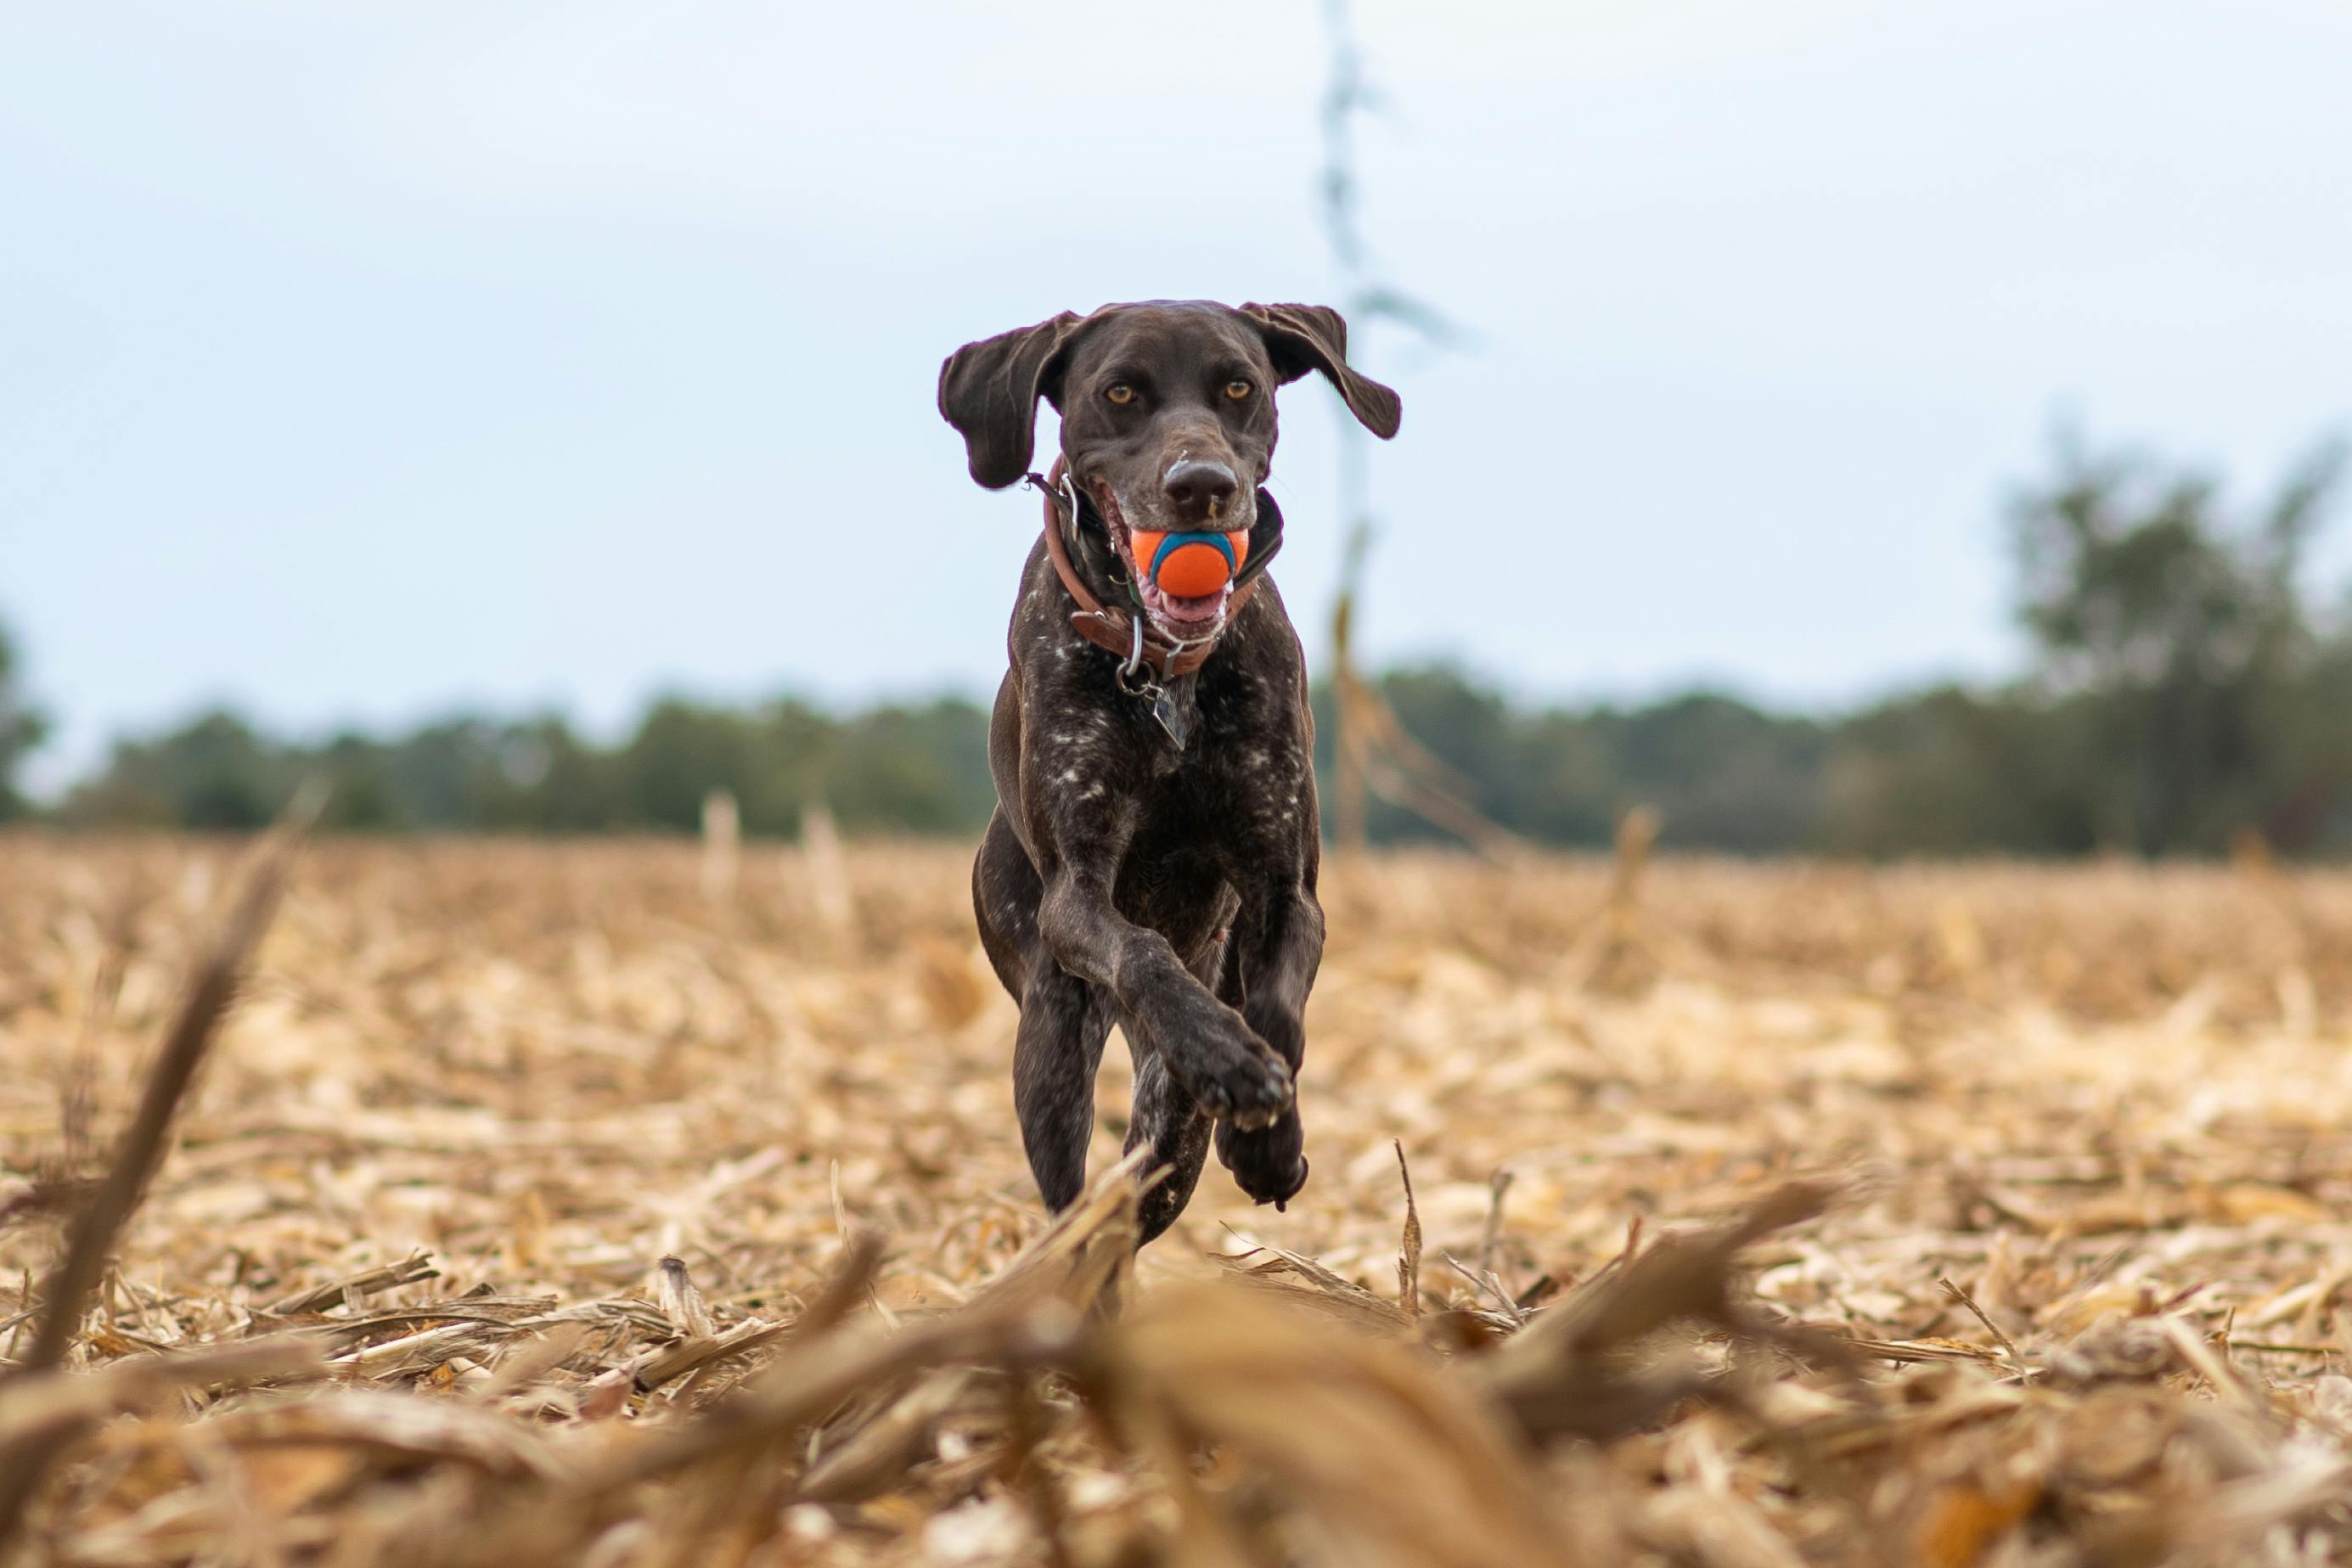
x,y
1233,1077
1249,1092
1267,1163
1281,1198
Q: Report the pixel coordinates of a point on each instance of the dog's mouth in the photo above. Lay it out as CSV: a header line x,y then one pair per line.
x,y
1182,617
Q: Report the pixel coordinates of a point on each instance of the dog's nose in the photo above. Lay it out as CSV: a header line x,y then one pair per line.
x,y
1199,489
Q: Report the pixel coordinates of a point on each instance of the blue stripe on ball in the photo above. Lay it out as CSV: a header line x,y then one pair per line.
x,y
1177,541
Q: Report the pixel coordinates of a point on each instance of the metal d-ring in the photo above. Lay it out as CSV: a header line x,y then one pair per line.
x,y
1127,671
1070,500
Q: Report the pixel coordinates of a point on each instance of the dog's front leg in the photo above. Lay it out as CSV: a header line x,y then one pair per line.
x,y
1208,1049
1277,946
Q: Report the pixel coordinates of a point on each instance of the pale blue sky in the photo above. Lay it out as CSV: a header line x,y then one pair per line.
x,y
357,361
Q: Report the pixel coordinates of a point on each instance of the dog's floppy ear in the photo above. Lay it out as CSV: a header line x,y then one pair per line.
x,y
989,392
1303,338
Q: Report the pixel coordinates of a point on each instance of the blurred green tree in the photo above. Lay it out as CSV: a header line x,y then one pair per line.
x,y
22,727
213,773
2183,643
919,770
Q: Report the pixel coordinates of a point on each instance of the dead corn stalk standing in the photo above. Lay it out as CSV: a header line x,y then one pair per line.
x,y
1375,754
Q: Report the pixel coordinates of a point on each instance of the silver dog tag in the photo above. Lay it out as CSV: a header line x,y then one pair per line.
x,y
1175,717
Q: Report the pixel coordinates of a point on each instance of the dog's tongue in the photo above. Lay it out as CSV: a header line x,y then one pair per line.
x,y
1185,615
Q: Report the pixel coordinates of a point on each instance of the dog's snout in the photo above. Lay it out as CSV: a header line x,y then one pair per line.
x,y
1199,489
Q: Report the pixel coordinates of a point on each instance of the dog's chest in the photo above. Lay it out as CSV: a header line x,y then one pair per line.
x,y
1234,782
1207,742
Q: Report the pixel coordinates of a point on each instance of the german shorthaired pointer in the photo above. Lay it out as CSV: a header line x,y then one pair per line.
x,y
1152,862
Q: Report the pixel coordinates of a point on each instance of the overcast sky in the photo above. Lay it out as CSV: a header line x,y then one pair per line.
x,y
358,362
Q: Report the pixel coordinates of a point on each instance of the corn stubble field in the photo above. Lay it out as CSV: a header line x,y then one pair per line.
x,y
593,1203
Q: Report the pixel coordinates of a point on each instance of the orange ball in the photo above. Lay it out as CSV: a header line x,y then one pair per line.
x,y
1191,565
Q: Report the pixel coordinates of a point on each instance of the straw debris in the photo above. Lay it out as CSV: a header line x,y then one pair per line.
x,y
572,1204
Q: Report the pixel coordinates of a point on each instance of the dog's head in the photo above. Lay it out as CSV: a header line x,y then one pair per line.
x,y
1168,416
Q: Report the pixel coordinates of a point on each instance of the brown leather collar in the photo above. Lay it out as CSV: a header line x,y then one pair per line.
x,y
1113,630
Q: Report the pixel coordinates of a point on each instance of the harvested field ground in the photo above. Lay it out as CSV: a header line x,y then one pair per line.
x,y
475,1093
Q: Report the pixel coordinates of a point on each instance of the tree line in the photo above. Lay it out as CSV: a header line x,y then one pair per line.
x,y
2189,687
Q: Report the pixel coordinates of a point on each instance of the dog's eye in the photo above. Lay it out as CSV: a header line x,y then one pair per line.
x,y
1238,388
1119,392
